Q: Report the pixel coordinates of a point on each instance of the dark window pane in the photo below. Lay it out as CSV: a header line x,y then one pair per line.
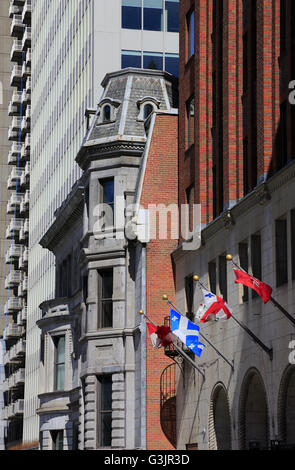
x,y
106,297
107,113
189,293
153,60
131,14
190,125
190,35
172,12
171,64
212,276
148,109
108,198
256,259
223,276
131,59
153,15
244,263
105,411
59,362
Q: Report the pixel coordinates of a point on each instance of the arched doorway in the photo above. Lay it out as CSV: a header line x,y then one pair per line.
x,y
253,413
286,408
219,420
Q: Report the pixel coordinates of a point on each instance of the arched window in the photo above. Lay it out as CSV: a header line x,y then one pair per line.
x,y
219,420
286,407
106,113
148,109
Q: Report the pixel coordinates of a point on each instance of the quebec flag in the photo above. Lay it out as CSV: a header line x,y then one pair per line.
x,y
186,331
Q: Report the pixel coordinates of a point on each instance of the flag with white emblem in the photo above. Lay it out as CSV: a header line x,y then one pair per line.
x,y
186,331
213,308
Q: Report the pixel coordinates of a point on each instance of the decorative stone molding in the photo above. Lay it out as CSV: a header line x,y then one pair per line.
x,y
228,219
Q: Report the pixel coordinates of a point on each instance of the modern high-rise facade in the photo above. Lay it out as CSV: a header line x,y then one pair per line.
x,y
74,44
5,93
17,227
236,159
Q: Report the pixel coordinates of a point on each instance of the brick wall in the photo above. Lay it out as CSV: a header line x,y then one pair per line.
x,y
160,186
262,117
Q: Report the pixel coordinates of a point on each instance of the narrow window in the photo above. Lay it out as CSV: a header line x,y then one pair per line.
x,y
107,188
131,14
153,15
148,109
223,276
104,411
105,297
246,166
59,367
106,113
172,63
190,34
190,196
189,294
190,122
57,440
212,276
244,263
281,252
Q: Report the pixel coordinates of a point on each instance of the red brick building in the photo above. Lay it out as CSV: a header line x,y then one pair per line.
x,y
236,159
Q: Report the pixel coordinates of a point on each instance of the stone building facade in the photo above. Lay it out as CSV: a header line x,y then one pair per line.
x,y
236,159
102,365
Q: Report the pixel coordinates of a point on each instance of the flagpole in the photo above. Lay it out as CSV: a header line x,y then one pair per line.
x,y
274,302
269,351
204,337
180,351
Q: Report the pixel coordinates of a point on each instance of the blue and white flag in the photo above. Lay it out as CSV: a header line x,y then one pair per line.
x,y
186,331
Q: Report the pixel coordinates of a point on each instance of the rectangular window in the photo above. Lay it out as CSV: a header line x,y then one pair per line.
x,y
153,60
171,64
256,259
246,166
244,263
190,34
59,366
153,15
105,295
130,59
223,276
172,15
57,440
189,294
107,197
131,14
281,252
190,122
190,199
212,276
104,411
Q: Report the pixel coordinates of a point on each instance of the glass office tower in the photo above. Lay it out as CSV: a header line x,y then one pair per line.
x,y
74,44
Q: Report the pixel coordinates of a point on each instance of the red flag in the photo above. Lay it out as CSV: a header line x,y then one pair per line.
x,y
160,335
260,287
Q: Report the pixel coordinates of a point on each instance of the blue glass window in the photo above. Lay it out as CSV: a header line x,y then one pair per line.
x,y
153,15
131,59
191,35
131,14
171,64
153,60
172,15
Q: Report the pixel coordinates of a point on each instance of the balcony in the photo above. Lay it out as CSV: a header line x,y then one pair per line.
x,y
16,76
13,10
28,142
26,98
29,85
16,123
26,42
14,105
18,3
14,179
29,57
13,205
13,228
16,353
25,177
13,305
19,407
28,113
23,260
13,279
17,26
27,11
22,317
16,51
25,284
25,154
26,70
13,254
25,204
25,125
13,331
